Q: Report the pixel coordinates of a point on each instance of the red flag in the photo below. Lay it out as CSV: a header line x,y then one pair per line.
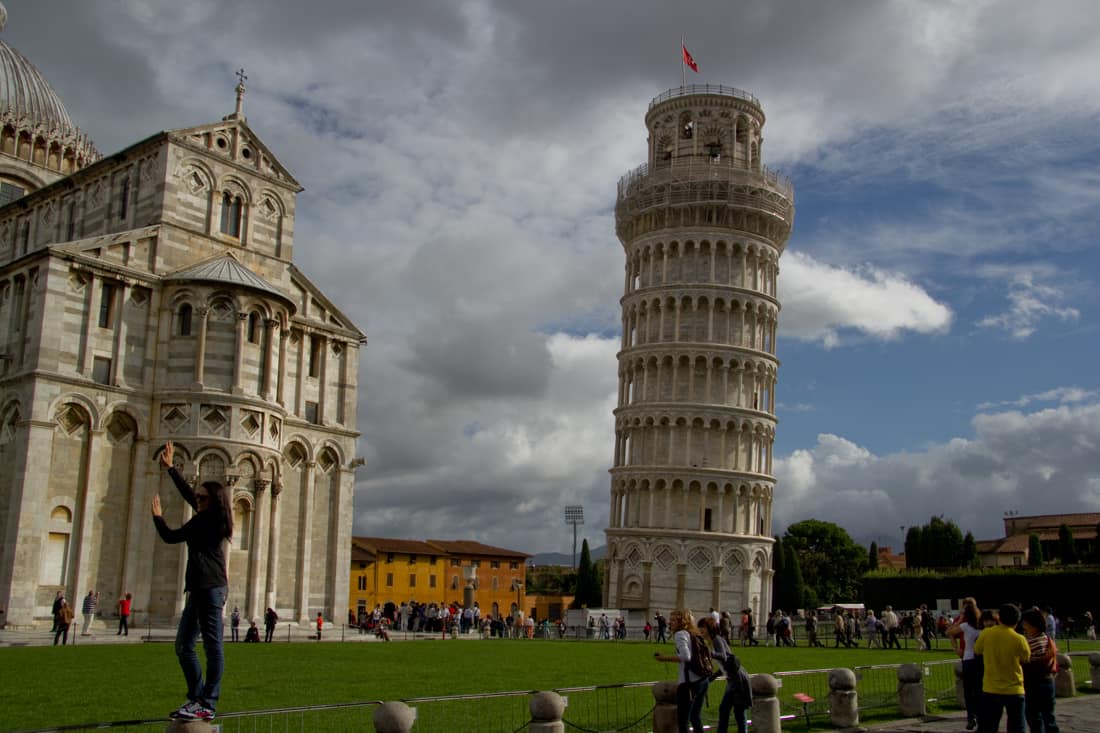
x,y
689,60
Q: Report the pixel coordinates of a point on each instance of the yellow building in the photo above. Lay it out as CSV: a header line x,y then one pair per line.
x,y
385,570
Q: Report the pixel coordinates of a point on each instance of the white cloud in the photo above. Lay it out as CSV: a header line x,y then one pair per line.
x,y
1061,395
1032,299
821,303
1041,462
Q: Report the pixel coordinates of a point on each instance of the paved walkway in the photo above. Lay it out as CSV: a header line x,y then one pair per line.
x,y
1079,714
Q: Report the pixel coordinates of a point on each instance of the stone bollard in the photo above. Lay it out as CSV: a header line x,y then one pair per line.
x,y
664,712
393,717
960,686
1094,670
1064,684
843,699
910,691
189,726
547,709
765,705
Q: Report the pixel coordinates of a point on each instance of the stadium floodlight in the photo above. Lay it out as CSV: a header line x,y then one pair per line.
x,y
574,515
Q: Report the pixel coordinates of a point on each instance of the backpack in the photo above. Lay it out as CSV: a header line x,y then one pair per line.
x,y
701,664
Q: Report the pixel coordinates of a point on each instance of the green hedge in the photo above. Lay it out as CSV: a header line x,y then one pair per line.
x,y
1070,592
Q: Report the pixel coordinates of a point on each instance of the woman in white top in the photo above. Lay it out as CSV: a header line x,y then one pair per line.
x,y
692,687
963,634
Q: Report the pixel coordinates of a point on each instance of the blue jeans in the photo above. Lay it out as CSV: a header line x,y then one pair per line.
x,y
1039,707
689,705
973,671
202,615
992,707
728,705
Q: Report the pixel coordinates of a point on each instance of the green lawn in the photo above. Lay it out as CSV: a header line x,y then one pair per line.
x,y
43,686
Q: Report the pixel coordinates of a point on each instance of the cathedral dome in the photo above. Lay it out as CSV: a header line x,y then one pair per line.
x,y
38,141
25,93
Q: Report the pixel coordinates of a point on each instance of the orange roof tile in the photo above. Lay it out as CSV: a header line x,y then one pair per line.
x,y
470,547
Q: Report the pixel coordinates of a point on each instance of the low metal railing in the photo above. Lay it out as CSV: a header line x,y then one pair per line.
x,y
618,708
703,89
703,169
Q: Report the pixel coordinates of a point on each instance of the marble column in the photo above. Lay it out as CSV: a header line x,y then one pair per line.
x,y
305,541
200,349
273,543
260,512
238,359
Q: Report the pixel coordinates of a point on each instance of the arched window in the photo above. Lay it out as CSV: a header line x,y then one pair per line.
x,y
185,319
253,327
242,524
232,207
124,198
55,568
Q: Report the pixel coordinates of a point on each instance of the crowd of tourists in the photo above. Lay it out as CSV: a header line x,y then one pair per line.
x,y
447,619
1009,661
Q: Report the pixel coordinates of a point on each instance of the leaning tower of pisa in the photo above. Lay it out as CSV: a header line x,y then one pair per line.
x,y
703,224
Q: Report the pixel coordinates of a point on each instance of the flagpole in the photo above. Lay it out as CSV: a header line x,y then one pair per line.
x,y
683,65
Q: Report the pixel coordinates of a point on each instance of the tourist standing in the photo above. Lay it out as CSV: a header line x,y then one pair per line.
x,y
890,621
320,625
692,687
56,607
124,605
738,696
62,619
206,583
811,629
872,630
1090,626
1004,652
963,636
270,619
235,624
750,626
662,624
91,602
1039,674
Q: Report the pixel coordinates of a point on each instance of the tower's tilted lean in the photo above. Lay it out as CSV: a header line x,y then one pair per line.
x,y
703,224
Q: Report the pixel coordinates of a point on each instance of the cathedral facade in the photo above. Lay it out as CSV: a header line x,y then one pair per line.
x,y
703,224
151,296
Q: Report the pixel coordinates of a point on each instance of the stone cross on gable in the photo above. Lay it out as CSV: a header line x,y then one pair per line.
x,y
241,76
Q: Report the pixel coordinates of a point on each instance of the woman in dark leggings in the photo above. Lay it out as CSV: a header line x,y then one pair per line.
x,y
206,584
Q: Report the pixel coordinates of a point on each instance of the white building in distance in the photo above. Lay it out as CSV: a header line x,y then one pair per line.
x,y
703,224
151,296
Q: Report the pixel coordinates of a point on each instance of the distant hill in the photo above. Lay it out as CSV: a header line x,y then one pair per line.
x,y
565,558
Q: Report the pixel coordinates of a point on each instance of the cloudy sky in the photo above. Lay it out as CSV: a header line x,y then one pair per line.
x,y
939,333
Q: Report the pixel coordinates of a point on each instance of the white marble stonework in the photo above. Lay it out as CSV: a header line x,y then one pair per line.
x,y
153,296
703,224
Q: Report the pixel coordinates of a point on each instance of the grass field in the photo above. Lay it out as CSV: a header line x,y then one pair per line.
x,y
43,686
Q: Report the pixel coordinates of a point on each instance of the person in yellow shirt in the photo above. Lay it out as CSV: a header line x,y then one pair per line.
x,y
1004,653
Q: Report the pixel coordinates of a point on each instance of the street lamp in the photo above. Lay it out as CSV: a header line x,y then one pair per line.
x,y
574,515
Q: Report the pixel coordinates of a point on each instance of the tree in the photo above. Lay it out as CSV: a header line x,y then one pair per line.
x,y
831,563
938,544
589,590
913,556
970,551
1096,546
1067,547
1034,551
795,581
872,557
